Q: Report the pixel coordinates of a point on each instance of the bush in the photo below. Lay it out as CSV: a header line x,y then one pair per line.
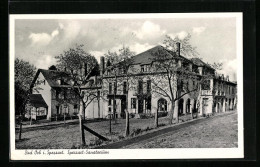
x,y
162,114
136,132
131,115
143,116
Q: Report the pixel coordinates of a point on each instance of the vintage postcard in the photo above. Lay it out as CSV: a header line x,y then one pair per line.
x,y
126,86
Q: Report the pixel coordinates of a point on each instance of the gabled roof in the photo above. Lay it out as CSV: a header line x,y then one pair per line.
x,y
199,62
37,100
51,76
147,56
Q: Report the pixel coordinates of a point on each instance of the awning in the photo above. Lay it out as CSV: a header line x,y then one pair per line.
x,y
37,100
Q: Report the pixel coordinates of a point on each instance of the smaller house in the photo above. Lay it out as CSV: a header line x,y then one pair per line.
x,y
52,95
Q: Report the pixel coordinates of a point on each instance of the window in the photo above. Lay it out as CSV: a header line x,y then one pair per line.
x,y
109,102
148,103
145,68
98,94
162,105
142,68
149,86
140,86
65,94
124,88
110,88
108,72
57,94
91,82
206,85
194,84
75,108
124,70
180,84
115,87
133,103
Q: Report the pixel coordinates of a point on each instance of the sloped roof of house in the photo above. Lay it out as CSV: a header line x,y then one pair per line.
x,y
37,100
148,56
199,62
51,77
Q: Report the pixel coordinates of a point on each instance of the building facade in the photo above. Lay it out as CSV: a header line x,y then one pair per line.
x,y
51,96
139,87
136,93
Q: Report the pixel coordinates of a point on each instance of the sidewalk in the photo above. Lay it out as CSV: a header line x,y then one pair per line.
x,y
161,131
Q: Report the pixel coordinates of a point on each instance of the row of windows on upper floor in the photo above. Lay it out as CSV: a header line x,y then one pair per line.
x,y
145,68
112,88
125,87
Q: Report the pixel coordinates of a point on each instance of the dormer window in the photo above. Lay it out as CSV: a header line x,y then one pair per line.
x,y
108,72
145,68
91,82
142,68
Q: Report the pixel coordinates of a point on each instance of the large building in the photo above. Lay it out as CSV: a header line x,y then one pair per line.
x,y
134,91
131,85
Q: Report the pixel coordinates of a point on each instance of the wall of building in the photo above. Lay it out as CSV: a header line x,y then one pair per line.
x,y
45,91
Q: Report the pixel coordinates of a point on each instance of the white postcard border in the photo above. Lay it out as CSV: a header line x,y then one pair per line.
x,y
166,153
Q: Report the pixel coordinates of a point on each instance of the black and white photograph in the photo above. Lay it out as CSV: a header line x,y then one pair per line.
x,y
126,86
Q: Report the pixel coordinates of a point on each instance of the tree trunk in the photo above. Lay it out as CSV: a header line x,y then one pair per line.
x,y
20,129
82,134
110,128
83,110
156,119
114,110
64,118
98,109
31,117
192,113
172,113
127,128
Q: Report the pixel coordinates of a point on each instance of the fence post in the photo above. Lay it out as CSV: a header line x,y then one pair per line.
x,y
82,134
64,118
20,129
127,123
156,119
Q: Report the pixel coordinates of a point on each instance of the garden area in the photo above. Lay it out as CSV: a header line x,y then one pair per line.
x,y
68,136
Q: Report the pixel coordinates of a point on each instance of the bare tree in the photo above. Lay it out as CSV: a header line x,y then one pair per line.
x,y
80,66
174,76
120,66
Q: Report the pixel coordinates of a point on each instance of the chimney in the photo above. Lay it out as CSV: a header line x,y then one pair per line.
x,y
190,67
178,48
102,65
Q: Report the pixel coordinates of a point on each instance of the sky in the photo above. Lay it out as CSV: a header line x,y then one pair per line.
x,y
40,40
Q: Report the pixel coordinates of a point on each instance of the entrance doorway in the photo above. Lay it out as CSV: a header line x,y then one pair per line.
x,y
123,107
140,106
204,105
180,106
